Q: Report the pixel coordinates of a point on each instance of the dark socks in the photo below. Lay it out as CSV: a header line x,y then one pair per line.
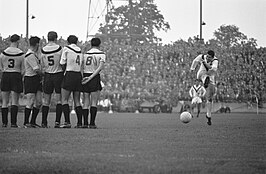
x,y
93,113
78,110
85,113
27,115
4,115
45,110
35,112
58,113
14,113
66,111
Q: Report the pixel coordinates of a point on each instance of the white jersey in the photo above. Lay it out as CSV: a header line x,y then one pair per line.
x,y
196,92
51,55
31,63
92,59
202,72
72,57
12,60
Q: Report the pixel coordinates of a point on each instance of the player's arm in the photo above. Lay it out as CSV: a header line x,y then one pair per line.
x,y
97,71
1,65
22,66
195,62
190,92
203,91
34,64
63,59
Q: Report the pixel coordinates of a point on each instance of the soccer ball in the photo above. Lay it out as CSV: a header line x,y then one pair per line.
x,y
185,117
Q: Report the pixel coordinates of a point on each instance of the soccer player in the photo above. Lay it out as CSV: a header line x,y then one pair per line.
x,y
207,72
94,60
51,55
12,66
32,83
196,92
71,60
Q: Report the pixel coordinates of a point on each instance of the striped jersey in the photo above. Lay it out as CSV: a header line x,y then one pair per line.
x,y
201,74
32,63
92,59
51,55
197,91
72,57
12,60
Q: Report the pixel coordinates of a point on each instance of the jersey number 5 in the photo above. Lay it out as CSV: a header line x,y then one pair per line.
x,y
50,60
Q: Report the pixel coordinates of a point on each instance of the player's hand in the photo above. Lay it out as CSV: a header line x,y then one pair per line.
x,y
85,80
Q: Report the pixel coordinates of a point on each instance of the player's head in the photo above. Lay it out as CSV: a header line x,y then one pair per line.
x,y
211,53
72,39
95,42
14,38
34,42
52,36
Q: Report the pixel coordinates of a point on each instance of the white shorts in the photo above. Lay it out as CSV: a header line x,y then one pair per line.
x,y
196,100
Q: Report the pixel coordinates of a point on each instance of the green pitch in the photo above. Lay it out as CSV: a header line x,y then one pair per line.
x,y
139,143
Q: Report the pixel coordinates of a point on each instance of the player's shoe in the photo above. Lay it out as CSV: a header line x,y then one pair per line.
x,y
57,125
209,122
14,126
78,126
4,125
34,125
44,125
85,126
65,125
27,125
92,126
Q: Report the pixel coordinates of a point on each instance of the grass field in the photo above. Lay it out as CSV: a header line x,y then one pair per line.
x,y
139,143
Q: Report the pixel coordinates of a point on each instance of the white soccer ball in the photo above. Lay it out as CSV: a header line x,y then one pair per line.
x,y
185,117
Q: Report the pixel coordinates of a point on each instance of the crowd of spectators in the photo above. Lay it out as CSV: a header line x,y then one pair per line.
x,y
153,71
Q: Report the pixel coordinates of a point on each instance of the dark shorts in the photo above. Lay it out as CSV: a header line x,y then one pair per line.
x,y
32,84
72,81
52,82
93,85
12,81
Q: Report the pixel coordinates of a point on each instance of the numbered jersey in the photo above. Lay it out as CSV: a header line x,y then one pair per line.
x,y
71,56
12,60
51,55
92,60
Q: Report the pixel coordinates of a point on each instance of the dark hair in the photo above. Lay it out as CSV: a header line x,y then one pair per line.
x,y
14,38
52,36
211,53
34,40
72,39
95,42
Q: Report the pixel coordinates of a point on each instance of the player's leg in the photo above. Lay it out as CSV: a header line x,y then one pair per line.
x,y
85,110
78,108
14,108
30,98
65,107
45,109
209,97
93,109
57,81
4,109
36,108
198,108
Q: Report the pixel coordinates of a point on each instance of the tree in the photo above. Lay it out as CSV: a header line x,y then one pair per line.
x,y
228,36
136,20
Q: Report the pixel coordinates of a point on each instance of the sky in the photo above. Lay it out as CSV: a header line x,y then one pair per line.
x,y
71,17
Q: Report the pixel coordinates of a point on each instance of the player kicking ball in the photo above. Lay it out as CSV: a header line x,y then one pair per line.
x,y
196,92
207,72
